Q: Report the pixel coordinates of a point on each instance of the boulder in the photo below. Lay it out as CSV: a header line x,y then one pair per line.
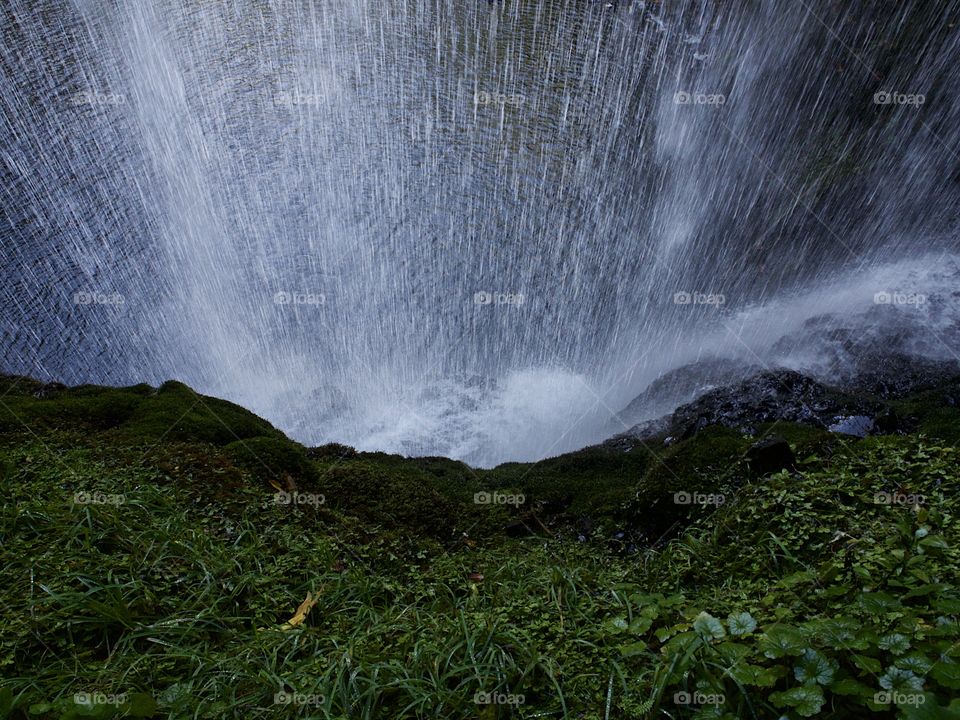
x,y
770,455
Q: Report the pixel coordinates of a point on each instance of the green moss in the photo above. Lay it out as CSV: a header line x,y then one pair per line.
x,y
706,464
935,412
574,483
793,433
943,424
177,413
697,463
273,457
137,414
80,409
379,497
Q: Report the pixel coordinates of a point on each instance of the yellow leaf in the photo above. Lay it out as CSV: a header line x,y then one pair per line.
x,y
300,615
305,607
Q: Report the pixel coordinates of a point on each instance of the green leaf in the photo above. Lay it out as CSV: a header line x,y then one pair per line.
x,y
141,705
754,675
806,700
948,605
929,709
816,668
862,572
915,661
934,542
900,680
947,674
781,640
632,649
664,633
798,578
926,590
732,652
709,626
895,642
682,643
849,686
741,623
878,602
617,625
640,625
835,631
6,702
867,664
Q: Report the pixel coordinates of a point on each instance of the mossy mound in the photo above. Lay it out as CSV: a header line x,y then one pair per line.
x,y
364,490
686,479
935,412
591,482
275,456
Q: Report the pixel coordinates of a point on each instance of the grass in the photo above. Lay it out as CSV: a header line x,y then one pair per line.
x,y
152,574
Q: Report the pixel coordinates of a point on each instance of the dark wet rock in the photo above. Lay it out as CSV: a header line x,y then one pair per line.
x,y
766,397
770,455
771,396
641,433
893,376
889,422
888,354
881,375
682,385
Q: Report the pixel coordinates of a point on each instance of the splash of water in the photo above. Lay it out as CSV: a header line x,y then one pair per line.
x,y
458,228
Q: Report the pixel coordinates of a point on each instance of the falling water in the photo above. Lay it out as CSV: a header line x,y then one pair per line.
x,y
463,227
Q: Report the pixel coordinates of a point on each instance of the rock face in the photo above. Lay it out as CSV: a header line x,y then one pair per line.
x,y
852,375
766,397
769,396
892,376
789,396
683,385
888,355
